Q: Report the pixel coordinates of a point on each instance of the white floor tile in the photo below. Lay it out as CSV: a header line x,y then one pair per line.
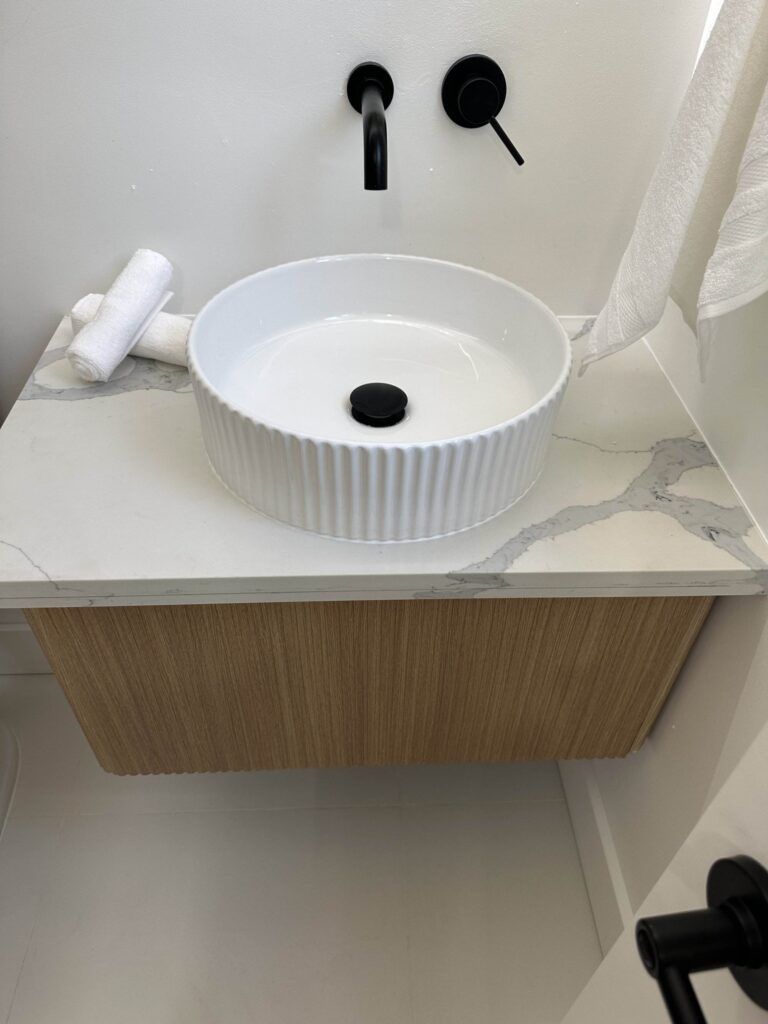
x,y
27,853
427,914
373,896
499,921
50,743
479,783
236,917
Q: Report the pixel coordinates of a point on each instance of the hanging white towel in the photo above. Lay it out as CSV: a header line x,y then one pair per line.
x,y
165,338
737,272
136,297
693,185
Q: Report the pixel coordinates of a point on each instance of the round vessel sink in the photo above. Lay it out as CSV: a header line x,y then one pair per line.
x,y
457,376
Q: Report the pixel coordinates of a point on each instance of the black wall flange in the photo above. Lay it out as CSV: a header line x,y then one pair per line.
x,y
367,74
732,932
474,91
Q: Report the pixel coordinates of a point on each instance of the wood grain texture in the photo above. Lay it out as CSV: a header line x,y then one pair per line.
x,y
231,687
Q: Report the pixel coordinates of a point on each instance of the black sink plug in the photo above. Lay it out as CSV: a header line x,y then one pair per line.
x,y
370,90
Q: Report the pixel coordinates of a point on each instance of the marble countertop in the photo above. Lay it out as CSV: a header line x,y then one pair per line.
x,y
107,499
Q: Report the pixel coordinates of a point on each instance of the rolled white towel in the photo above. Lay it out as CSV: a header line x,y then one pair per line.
x,y
137,295
165,338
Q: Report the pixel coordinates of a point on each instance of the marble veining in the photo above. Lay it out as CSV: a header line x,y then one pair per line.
x,y
648,492
112,502
723,526
583,330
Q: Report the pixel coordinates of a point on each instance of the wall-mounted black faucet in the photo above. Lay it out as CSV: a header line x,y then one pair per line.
x,y
370,90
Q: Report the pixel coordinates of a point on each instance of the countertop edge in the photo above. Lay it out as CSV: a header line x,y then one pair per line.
x,y
32,595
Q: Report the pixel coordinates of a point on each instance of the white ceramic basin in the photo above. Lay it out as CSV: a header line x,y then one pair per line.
x,y
275,356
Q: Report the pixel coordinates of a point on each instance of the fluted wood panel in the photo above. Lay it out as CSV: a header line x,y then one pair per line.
x,y
229,687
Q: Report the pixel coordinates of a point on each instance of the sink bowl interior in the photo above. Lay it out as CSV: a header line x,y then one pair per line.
x,y
288,345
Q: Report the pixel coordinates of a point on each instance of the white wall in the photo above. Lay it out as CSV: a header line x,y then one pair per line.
x,y
735,822
219,133
730,406
654,798
720,702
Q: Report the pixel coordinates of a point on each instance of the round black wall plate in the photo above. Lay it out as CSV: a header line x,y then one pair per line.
x,y
365,74
474,90
741,878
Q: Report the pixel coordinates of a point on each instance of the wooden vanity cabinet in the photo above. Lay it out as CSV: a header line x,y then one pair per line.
x,y
227,687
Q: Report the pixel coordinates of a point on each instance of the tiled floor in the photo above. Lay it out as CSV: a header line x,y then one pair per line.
x,y
371,896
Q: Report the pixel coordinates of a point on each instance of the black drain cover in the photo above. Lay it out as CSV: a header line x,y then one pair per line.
x,y
378,405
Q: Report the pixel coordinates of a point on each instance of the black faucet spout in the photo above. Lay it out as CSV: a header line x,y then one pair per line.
x,y
374,139
370,90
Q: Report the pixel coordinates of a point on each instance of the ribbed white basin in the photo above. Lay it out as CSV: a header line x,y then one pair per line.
x,y
274,358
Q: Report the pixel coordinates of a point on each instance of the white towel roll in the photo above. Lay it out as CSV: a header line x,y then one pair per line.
x,y
137,295
164,339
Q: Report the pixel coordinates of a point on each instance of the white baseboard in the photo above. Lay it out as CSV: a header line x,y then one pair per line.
x,y
20,653
600,863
